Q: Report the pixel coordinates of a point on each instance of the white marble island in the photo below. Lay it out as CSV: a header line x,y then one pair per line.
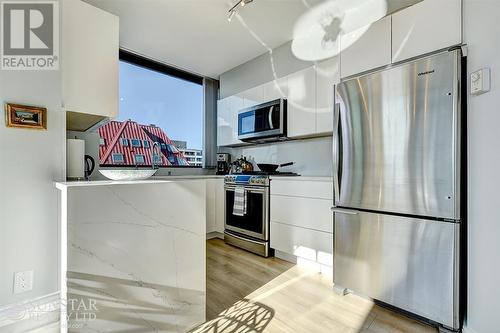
x,y
133,255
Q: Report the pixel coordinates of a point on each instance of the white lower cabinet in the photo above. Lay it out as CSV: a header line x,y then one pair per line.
x,y
301,219
312,245
311,213
219,205
215,205
210,205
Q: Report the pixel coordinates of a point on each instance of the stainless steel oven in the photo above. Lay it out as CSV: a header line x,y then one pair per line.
x,y
263,122
250,231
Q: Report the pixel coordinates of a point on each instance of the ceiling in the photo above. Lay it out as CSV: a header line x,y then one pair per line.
x,y
195,35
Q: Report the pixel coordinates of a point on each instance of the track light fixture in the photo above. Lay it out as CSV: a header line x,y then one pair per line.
x,y
234,9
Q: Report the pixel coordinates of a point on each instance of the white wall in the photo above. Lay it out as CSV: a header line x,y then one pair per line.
x,y
482,33
312,157
30,161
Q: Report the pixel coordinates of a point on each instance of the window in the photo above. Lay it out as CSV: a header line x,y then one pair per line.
x,y
102,142
157,159
165,104
160,104
139,159
118,158
135,143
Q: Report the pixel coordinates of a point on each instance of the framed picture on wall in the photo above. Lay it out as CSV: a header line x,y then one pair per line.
x,y
24,116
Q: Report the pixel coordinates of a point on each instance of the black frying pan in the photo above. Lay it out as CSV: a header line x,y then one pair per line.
x,y
272,167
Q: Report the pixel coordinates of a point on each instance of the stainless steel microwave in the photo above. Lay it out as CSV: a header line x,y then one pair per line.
x,y
263,122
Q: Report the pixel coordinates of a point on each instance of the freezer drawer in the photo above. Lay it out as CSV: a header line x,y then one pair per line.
x,y
406,262
397,139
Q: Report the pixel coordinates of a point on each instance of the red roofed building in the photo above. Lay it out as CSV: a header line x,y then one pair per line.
x,y
129,144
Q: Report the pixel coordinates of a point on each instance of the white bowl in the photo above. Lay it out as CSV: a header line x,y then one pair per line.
x,y
128,174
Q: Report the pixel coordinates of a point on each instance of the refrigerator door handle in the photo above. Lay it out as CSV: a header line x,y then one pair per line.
x,y
344,211
336,152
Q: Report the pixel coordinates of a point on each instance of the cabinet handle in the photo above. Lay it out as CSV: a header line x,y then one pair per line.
x,y
344,211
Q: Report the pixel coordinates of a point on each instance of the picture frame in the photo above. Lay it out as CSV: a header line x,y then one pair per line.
x,y
25,116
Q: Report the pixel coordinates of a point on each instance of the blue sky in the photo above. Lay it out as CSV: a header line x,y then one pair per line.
x,y
175,105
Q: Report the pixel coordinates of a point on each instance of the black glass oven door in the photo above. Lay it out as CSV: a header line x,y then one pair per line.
x,y
254,222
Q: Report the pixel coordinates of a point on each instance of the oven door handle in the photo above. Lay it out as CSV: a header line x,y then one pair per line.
x,y
247,189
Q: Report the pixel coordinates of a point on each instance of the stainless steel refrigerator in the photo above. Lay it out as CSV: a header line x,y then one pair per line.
x,y
397,171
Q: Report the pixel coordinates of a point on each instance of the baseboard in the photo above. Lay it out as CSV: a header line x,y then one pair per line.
x,y
285,256
465,329
40,314
215,234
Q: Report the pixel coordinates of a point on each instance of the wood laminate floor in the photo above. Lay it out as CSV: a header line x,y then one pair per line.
x,y
247,293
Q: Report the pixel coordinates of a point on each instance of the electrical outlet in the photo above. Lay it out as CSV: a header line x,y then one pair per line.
x,y
23,281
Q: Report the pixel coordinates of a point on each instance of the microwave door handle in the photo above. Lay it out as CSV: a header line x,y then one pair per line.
x,y
270,117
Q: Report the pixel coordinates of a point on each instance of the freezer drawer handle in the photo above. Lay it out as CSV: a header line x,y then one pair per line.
x,y
344,211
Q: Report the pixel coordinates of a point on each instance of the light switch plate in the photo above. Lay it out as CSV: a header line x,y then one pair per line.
x,y
23,281
480,81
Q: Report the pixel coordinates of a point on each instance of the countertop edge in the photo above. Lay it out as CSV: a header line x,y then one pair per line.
x,y
156,180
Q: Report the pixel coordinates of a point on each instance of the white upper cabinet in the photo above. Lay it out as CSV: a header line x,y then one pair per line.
x,y
301,105
227,120
275,89
252,96
327,75
426,27
366,48
90,60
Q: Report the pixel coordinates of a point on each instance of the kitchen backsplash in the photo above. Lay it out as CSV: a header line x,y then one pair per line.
x,y
312,157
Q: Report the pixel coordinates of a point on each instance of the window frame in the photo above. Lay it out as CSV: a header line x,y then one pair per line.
x,y
124,142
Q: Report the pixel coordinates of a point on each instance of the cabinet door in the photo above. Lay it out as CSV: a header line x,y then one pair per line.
x,y
224,126
275,89
227,120
327,75
366,48
90,66
302,103
210,205
302,212
219,205
312,245
426,27
253,96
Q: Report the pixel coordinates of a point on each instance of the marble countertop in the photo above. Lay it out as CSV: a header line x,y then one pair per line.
x,y
152,180
166,179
